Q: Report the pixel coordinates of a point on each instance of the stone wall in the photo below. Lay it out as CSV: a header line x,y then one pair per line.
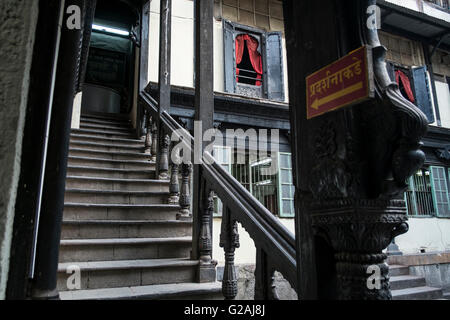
x,y
17,26
246,283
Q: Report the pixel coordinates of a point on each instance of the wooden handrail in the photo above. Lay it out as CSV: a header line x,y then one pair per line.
x,y
271,237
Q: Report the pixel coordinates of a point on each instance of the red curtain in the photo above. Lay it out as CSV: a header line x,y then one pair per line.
x,y
255,56
401,76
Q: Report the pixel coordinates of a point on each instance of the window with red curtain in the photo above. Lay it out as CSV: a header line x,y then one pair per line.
x,y
248,60
405,85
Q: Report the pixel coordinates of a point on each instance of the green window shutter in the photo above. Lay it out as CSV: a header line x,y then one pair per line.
x,y
286,188
440,191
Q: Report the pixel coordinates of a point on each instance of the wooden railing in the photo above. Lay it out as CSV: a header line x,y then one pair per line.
x,y
275,245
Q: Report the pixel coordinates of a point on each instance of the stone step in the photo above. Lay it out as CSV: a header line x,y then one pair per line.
x,y
417,293
115,197
106,116
117,184
111,155
113,141
87,171
120,229
124,249
406,281
109,127
121,124
105,146
398,270
128,273
86,211
105,133
111,163
178,291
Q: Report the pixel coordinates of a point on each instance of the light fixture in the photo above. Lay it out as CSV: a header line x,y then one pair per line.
x,y
264,183
110,30
262,162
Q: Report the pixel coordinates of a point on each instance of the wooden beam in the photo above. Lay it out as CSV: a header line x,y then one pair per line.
x,y
164,55
204,100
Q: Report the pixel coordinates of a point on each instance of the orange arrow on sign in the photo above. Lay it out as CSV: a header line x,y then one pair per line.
x,y
319,102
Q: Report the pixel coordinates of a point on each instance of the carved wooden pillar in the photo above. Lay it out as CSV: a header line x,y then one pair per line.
x,y
351,164
207,271
163,164
148,134
185,194
229,241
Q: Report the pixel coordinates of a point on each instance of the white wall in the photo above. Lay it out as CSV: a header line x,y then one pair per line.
x,y
246,253
76,113
443,97
17,34
432,234
182,57
428,8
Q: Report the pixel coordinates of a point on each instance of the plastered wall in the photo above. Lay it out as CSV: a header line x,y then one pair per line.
x,y
17,26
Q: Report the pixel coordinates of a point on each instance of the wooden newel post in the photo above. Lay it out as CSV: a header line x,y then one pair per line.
x,y
185,194
148,136
207,271
163,165
229,241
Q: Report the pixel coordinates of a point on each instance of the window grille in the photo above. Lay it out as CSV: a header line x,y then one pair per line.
x,y
419,197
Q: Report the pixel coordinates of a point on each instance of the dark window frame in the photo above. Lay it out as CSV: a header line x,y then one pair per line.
x,y
230,78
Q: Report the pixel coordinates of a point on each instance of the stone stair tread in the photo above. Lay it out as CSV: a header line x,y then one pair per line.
x,y
415,290
118,153
122,206
84,120
404,277
155,181
126,222
396,266
122,241
82,130
105,126
108,116
159,291
110,169
111,160
129,264
100,144
115,192
87,136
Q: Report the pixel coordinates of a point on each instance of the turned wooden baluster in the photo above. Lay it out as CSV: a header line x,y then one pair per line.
x,y
185,194
205,243
229,241
163,165
144,127
174,188
154,146
148,136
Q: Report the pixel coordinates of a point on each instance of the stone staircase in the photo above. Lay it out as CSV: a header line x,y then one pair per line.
x,y
408,287
118,228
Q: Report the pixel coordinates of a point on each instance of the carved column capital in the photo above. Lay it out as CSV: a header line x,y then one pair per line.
x,y
358,231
